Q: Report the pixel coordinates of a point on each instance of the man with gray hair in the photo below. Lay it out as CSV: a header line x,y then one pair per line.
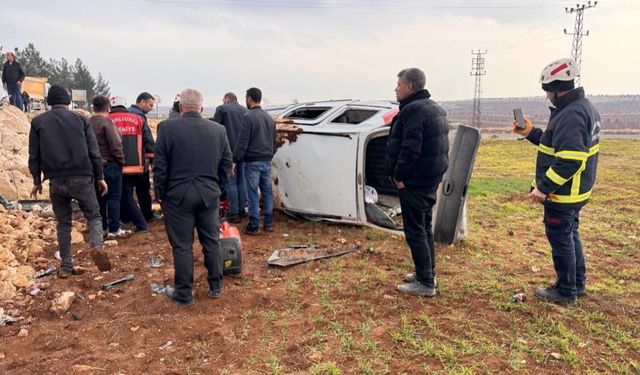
x,y
417,158
192,161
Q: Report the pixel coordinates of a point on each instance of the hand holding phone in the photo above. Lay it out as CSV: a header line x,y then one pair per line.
x,y
519,117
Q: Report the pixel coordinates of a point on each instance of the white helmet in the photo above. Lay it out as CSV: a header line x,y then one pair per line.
x,y
116,101
559,75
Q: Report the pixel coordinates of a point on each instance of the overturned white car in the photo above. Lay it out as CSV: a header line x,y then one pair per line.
x,y
330,166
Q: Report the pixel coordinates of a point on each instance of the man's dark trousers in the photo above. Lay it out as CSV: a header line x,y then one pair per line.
x,y
128,205
15,95
143,193
110,204
181,217
82,189
417,203
561,226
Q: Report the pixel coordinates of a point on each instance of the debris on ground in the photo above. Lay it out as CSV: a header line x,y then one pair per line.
x,y
6,319
305,253
49,271
63,302
158,288
156,261
166,345
115,283
520,297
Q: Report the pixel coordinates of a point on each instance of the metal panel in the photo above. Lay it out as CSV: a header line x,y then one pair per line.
x,y
452,194
316,175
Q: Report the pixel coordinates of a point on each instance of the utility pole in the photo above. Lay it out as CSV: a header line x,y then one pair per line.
x,y
477,70
576,47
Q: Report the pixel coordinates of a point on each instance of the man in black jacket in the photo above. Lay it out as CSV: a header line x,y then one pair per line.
x,y
62,145
565,175
230,114
255,149
192,161
12,77
417,158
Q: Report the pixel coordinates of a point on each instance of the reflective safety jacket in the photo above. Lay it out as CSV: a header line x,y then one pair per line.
x,y
568,151
131,128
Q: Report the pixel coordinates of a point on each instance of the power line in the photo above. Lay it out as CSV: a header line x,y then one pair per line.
x,y
477,71
576,46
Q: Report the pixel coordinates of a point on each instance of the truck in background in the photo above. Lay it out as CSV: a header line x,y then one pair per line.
x,y
37,89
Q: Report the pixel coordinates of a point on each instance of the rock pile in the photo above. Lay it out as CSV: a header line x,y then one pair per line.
x,y
23,237
15,179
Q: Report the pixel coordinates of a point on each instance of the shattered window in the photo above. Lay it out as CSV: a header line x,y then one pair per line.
x,y
307,113
354,116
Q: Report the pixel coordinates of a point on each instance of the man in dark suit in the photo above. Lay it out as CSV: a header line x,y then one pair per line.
x,y
231,115
192,162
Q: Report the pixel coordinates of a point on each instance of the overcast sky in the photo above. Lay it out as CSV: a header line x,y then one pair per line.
x,y
314,50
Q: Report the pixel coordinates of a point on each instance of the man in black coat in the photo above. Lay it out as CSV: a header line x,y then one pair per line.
x,y
417,158
63,147
231,115
192,161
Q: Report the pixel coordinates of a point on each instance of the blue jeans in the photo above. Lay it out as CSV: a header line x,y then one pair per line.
x,y
15,96
561,226
237,192
110,204
258,176
129,204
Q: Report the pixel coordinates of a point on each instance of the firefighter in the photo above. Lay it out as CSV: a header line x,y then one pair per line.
x,y
565,175
134,142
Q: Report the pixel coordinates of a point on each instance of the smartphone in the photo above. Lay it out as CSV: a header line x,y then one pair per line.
x,y
519,117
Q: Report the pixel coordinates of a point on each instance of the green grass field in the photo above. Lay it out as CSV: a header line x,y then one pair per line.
x,y
361,325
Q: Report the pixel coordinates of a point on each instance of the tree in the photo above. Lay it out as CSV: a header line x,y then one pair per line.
x,y
102,86
32,63
62,73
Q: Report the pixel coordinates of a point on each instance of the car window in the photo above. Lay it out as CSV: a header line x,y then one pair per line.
x,y
307,113
354,116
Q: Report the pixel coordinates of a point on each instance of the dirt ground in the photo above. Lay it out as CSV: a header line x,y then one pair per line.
x,y
342,315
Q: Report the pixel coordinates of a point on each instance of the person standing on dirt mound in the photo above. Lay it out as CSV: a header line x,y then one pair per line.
x,y
230,114
62,145
565,175
417,158
192,163
144,104
12,77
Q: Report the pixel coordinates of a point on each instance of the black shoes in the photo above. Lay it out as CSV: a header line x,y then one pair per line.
x,y
552,294
170,292
250,231
214,293
234,218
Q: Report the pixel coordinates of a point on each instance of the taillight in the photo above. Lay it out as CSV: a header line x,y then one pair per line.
x,y
388,117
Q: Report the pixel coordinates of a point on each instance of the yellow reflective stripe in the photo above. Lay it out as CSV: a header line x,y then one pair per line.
x,y
569,198
577,179
555,177
569,154
572,155
546,150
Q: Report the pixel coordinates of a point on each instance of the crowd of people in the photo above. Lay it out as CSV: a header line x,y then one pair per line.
x,y
111,156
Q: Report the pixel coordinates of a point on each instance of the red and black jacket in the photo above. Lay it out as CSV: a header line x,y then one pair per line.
x,y
131,127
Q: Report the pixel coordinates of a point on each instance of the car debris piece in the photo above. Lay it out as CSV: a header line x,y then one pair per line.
x,y
158,288
520,297
6,319
115,283
49,271
156,261
166,345
304,253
